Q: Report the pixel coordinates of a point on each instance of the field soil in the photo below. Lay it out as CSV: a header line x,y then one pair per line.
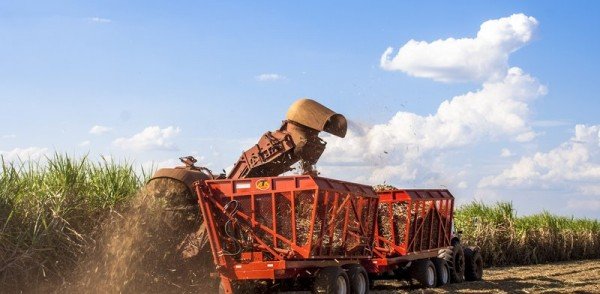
x,y
563,277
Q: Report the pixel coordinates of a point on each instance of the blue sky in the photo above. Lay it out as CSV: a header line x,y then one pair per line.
x,y
164,80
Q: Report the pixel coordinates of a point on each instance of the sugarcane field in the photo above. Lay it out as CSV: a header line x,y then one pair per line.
x,y
436,148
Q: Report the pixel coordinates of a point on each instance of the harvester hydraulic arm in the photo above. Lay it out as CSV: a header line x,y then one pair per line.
x,y
275,152
296,140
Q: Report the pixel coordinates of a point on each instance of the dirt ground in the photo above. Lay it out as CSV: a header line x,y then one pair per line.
x,y
566,277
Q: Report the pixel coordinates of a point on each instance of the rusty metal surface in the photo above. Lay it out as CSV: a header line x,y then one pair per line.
x,y
316,116
308,145
296,140
187,174
272,155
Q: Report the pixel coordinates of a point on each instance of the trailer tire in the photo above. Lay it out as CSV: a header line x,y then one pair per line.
x,y
473,264
442,271
457,269
331,280
424,272
359,279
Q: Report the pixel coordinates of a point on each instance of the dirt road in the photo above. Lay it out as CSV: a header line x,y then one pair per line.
x,y
567,277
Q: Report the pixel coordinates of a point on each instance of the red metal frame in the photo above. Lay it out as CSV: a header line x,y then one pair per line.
x,y
253,225
418,223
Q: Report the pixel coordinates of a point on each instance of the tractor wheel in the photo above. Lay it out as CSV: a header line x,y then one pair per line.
x,y
359,279
457,269
442,271
473,264
331,280
424,272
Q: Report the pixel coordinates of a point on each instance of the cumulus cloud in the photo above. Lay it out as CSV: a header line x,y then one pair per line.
x,y
267,77
31,153
574,164
481,58
499,110
99,130
151,138
413,148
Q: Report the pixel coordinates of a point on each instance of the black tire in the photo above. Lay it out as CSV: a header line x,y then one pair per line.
x,y
330,280
457,267
473,264
359,279
424,272
442,270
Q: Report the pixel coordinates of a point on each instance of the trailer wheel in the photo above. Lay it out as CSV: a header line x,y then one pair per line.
x,y
473,264
424,272
331,280
359,279
442,271
457,269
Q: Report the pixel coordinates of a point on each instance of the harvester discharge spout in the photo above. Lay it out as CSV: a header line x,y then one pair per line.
x,y
296,140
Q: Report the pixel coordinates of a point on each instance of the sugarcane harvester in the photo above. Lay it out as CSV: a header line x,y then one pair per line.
x,y
277,151
336,235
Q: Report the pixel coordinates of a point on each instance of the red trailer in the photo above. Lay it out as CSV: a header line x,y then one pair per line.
x,y
287,228
414,230
333,234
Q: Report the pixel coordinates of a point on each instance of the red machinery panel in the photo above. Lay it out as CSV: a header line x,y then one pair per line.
x,y
412,221
295,218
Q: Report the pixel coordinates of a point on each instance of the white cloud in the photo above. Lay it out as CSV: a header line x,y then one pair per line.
x,y
9,136
574,164
85,143
31,153
266,77
99,130
151,138
505,152
497,111
97,19
414,148
481,58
